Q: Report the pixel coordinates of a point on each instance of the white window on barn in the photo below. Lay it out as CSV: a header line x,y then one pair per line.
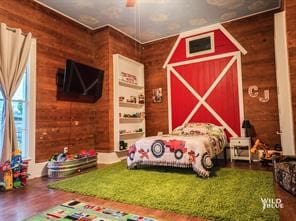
x,y
199,45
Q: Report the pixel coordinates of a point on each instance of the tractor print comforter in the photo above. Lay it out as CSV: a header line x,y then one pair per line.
x,y
192,145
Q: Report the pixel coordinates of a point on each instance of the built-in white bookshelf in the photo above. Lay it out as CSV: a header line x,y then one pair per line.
x,y
129,101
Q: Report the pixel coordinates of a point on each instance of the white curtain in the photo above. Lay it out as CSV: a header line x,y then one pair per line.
x,y
14,53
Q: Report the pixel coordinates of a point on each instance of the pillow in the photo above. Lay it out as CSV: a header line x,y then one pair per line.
x,y
198,129
178,130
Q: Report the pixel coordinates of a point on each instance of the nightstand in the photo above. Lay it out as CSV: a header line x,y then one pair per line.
x,y
239,145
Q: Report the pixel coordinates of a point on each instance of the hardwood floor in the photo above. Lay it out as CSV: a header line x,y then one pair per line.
x,y
36,197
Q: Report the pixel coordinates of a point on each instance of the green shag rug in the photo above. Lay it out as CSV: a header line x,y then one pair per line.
x,y
230,194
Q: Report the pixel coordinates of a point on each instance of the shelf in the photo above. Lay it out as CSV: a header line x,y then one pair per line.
x,y
128,116
130,119
122,83
132,134
135,105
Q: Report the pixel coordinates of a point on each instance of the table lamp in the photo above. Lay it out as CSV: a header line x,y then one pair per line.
x,y
246,125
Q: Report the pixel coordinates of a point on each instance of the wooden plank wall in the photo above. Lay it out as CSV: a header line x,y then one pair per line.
x,y
101,47
290,7
59,38
108,41
256,34
258,66
154,55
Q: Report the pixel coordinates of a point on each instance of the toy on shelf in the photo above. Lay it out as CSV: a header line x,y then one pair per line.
x,y
134,115
132,99
267,153
122,145
128,78
121,99
141,99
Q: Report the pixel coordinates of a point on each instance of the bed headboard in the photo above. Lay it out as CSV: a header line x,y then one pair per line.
x,y
206,85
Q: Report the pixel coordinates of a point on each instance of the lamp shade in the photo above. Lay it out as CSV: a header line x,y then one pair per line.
x,y
246,124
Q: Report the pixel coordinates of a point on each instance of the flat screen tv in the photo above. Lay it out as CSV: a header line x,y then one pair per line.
x,y
80,82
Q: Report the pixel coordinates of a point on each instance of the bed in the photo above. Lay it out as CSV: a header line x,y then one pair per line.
x,y
192,145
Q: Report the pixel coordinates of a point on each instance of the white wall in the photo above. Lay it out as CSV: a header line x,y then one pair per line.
x,y
283,84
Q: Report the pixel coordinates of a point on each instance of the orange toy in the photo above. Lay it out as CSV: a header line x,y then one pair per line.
x,y
267,154
7,175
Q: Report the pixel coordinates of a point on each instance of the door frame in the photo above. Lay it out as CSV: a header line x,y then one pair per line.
x,y
283,85
236,55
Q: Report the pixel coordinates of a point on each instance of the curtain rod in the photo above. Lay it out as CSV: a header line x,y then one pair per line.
x,y
14,30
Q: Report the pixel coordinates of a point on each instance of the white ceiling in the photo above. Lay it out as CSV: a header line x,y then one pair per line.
x,y
150,20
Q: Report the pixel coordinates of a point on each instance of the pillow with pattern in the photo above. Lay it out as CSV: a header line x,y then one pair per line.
x,y
198,129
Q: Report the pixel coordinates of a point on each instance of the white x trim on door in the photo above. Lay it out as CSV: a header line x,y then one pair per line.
x,y
202,99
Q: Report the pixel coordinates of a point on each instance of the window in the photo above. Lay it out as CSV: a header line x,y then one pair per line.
x,y
23,104
201,44
20,107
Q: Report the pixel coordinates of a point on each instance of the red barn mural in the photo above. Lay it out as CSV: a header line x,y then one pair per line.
x,y
204,79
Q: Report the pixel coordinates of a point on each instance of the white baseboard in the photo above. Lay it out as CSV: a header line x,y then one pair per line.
x,y
40,169
37,170
109,158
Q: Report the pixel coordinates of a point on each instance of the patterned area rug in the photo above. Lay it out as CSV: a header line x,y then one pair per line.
x,y
82,211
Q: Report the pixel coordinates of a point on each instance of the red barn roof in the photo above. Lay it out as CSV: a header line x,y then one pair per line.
x,y
223,42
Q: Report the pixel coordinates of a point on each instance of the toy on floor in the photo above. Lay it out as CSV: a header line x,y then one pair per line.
x,y
2,181
2,184
76,210
66,156
267,153
24,172
7,175
14,174
65,164
19,169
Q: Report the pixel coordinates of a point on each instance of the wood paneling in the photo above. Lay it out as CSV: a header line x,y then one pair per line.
x,y
101,47
258,67
153,56
58,39
290,7
60,123
256,34
107,42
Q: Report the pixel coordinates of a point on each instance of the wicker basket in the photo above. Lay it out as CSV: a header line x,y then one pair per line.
x,y
63,169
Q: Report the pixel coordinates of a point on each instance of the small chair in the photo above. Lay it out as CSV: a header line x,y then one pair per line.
x,y
285,172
